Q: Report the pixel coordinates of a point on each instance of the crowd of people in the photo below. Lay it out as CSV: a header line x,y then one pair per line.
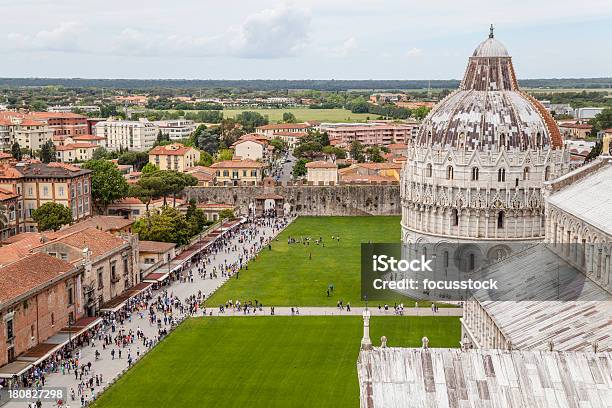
x,y
113,338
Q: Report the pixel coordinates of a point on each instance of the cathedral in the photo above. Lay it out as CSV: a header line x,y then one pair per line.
x,y
477,169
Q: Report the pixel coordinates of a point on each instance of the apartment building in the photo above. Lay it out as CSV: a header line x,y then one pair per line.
x,y
62,123
238,172
126,134
174,157
37,183
575,130
75,152
252,147
10,206
292,139
271,130
176,129
370,134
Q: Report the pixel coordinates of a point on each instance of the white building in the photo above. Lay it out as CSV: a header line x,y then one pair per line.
x,y
322,173
133,135
477,174
73,152
176,129
587,113
251,149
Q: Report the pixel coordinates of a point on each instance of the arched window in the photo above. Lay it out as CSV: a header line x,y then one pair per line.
x,y
502,140
539,139
516,181
500,220
446,259
472,262
455,217
546,173
449,173
429,170
526,173
501,175
475,172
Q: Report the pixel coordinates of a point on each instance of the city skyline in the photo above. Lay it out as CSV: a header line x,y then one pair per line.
x,y
306,40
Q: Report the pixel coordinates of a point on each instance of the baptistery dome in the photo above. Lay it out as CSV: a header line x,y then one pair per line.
x,y
489,110
477,168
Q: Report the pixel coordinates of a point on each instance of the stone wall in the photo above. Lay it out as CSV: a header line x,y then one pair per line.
x,y
345,199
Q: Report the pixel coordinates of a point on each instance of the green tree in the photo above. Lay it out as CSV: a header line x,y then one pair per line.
x,y
299,168
195,218
100,154
16,151
224,154
601,121
308,149
421,112
357,151
250,120
167,226
38,106
173,182
51,216
47,152
146,189
374,154
136,159
334,152
205,159
227,214
107,183
289,117
149,168
208,139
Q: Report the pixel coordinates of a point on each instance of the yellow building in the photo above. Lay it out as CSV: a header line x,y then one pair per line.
x,y
237,172
38,183
174,157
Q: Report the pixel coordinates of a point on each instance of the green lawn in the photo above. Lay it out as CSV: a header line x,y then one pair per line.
x,y
286,276
304,114
266,361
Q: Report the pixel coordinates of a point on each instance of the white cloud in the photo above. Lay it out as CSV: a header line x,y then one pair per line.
x,y
414,52
270,33
65,37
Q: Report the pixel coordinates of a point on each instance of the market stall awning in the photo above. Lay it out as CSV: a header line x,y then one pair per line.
x,y
156,277
15,368
118,302
80,326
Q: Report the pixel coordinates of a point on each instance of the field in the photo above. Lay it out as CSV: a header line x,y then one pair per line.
x,y
265,361
287,276
304,114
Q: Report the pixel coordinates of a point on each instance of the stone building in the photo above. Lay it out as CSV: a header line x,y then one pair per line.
x,y
477,167
322,173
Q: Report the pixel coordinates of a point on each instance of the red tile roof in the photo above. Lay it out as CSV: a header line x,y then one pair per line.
x,y
87,137
237,164
155,246
175,149
321,165
31,273
7,195
98,242
73,146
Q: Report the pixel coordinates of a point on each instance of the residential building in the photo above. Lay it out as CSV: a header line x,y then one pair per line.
x,y
72,108
292,139
575,130
561,109
174,157
75,152
10,206
251,147
37,183
38,297
139,100
99,141
322,173
371,173
369,134
127,134
271,130
398,149
238,171
67,124
176,129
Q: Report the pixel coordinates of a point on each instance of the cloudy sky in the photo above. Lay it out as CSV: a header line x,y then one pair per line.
x,y
315,39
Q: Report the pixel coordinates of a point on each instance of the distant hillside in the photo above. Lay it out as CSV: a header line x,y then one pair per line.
x,y
266,85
